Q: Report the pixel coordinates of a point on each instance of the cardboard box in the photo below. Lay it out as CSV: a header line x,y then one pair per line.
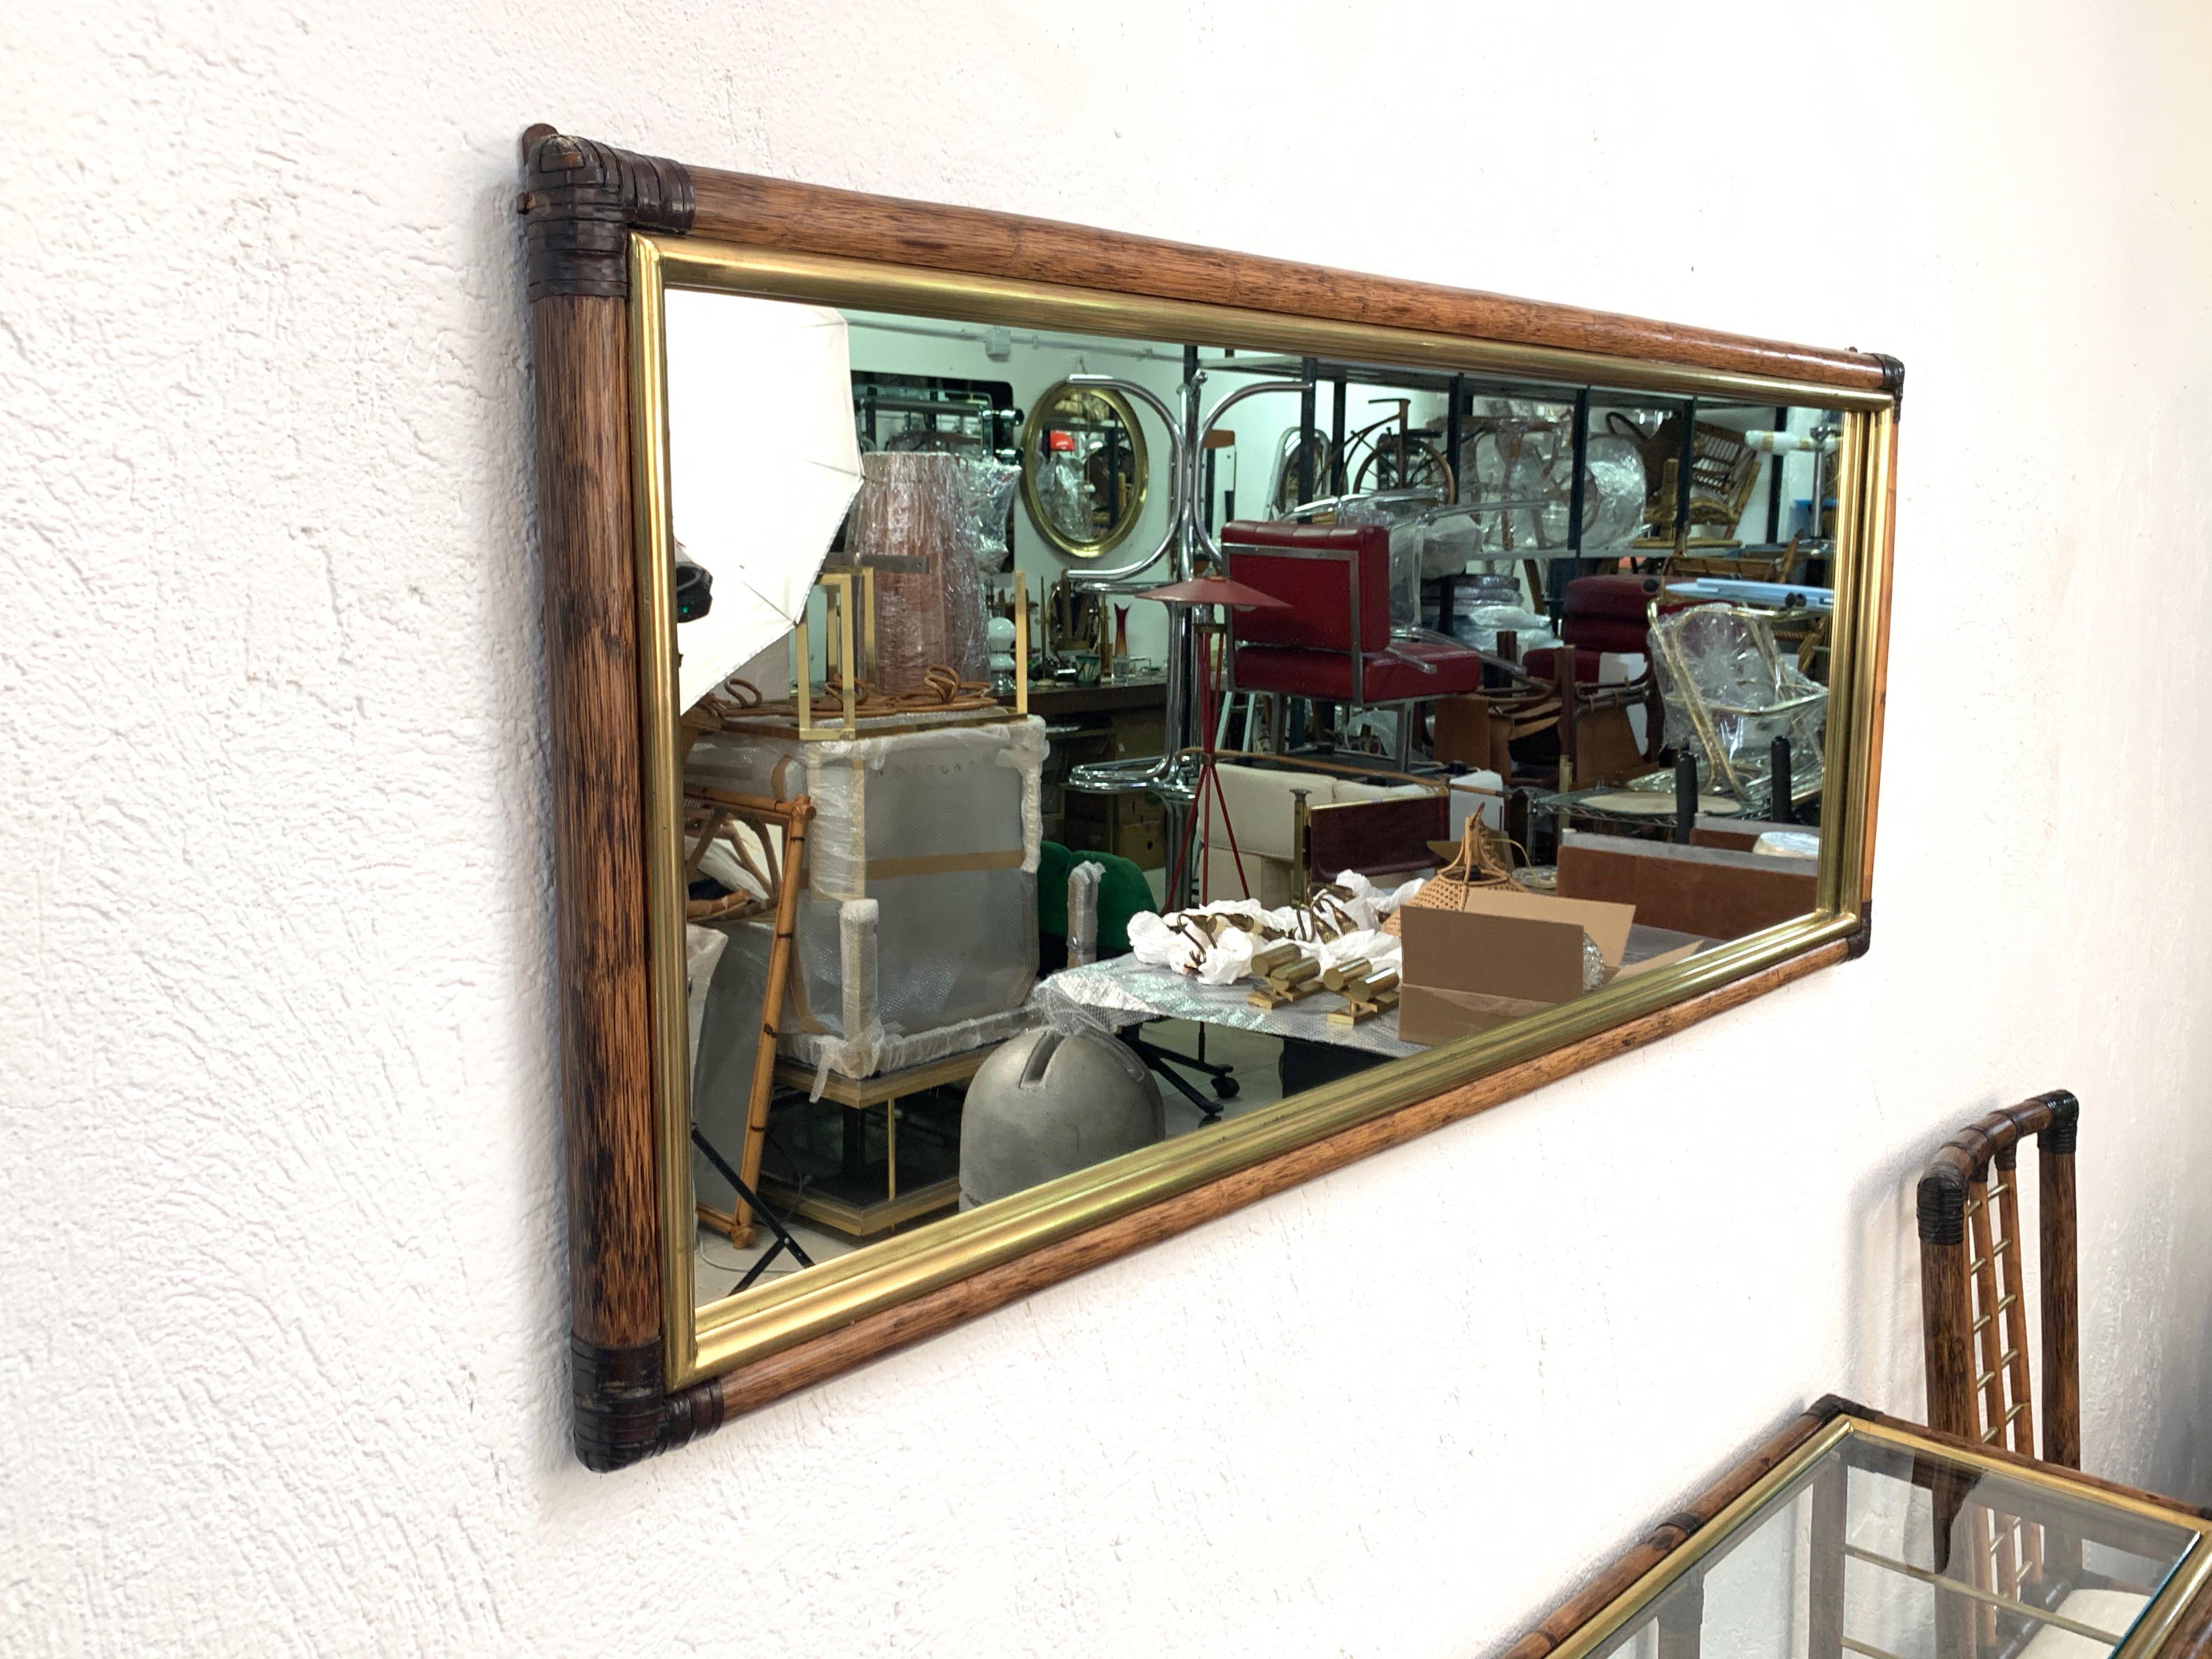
x,y
1144,845
1506,955
1129,807
1084,807
1138,733
1709,891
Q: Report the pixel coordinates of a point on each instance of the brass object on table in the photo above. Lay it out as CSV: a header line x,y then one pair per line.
x,y
853,707
1365,997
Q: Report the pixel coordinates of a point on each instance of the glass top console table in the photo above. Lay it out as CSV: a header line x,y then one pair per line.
x,y
1853,1533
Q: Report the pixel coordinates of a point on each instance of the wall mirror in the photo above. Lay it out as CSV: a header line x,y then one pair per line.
x,y
1085,469
940,918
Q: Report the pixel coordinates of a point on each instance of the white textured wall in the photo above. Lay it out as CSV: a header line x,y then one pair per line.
x,y
280,1282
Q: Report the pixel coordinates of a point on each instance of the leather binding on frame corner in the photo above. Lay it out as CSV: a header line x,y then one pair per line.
x,y
583,199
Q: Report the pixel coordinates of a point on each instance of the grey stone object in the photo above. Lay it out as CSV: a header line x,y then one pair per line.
x,y
1049,1103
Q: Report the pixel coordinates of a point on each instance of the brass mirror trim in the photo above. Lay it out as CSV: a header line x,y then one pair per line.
x,y
1034,428
874,285
704,1342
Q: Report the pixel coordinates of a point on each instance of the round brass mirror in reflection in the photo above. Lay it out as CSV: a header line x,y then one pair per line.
x,y
1084,469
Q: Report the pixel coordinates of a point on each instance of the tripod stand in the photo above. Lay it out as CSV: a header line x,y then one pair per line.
x,y
751,1199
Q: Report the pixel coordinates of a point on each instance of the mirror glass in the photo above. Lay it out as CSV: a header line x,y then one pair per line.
x,y
1469,698
1084,468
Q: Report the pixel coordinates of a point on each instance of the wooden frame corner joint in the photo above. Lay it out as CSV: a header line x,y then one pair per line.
x,y
623,1414
1830,1407
583,198
1862,939
1893,378
620,1405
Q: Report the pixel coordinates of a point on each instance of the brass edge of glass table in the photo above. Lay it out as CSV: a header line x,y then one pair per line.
x,y
2156,1622
2151,1628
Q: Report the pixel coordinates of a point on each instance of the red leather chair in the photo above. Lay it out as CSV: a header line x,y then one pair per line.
x,y
1332,642
1544,662
1612,613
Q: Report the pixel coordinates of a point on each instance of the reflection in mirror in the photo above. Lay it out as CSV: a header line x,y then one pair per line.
x,y
1084,468
1493,694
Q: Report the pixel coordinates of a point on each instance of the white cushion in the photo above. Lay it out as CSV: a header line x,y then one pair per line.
x,y
2100,1609
1350,789
1261,806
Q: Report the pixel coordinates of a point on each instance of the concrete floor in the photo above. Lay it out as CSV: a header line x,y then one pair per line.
x,y
718,1264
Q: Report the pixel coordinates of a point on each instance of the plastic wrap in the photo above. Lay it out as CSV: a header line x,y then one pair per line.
x,y
1448,545
1125,991
1407,541
859,1015
1480,625
1729,692
936,832
727,1041
915,518
1083,913
1469,598
895,1053
987,491
702,949
1064,496
1526,463
1612,491
1400,510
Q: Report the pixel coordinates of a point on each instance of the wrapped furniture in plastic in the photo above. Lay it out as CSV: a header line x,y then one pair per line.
x,y
986,488
917,521
1529,462
1401,512
917,928
1064,494
729,964
1729,692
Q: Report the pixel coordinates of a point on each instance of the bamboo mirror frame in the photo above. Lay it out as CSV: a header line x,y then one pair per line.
x,y
1041,419
607,232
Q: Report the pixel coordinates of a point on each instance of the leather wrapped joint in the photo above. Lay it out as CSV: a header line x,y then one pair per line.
x,y
1893,378
2059,1136
618,1403
1941,1202
622,1417
1862,937
583,199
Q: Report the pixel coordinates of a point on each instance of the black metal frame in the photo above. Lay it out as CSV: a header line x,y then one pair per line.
x,y
784,1241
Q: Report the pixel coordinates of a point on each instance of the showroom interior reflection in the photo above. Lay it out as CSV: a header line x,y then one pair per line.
x,y
1085,740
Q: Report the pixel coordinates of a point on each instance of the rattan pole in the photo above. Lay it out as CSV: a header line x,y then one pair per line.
x,y
800,812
